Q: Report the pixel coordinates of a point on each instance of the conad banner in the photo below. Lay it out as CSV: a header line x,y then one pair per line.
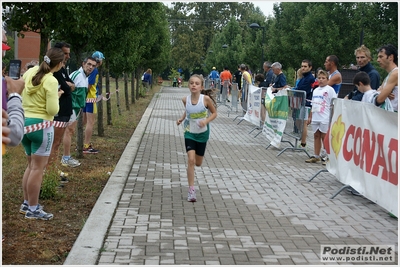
x,y
277,107
253,105
362,144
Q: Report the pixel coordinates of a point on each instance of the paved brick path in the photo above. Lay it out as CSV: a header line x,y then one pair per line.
x,y
252,207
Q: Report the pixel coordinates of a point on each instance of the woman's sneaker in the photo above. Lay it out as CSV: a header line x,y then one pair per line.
x,y
25,208
38,215
70,162
192,196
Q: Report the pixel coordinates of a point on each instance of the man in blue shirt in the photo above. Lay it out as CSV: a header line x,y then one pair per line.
x,y
214,74
305,85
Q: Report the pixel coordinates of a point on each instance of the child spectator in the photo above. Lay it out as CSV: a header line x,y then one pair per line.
x,y
320,113
363,83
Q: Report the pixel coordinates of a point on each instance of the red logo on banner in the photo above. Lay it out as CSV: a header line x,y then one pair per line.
x,y
366,150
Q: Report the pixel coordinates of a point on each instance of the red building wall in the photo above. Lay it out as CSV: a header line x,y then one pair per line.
x,y
27,48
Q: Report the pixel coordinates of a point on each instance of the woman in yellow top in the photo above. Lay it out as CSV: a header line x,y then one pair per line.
x,y
246,79
40,103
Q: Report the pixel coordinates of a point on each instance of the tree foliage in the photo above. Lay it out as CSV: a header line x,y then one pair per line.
x,y
191,35
311,30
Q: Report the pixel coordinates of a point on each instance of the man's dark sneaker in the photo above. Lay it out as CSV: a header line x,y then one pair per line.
x,y
90,150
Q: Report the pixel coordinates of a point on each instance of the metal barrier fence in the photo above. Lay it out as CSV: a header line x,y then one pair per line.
x,y
234,98
262,111
223,94
212,84
296,121
243,100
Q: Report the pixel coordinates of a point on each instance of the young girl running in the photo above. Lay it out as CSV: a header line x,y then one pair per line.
x,y
196,126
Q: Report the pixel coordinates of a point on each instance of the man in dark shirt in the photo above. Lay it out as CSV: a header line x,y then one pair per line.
x,y
305,85
65,102
363,57
279,82
238,78
268,73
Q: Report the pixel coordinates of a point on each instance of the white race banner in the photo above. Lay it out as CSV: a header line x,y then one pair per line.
x,y
277,110
253,105
362,144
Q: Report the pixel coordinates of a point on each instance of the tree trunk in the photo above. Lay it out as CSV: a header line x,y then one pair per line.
x,y
133,100
117,93
138,71
44,43
108,102
126,91
79,137
100,125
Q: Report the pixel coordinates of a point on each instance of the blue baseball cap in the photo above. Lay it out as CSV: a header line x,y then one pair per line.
x,y
98,55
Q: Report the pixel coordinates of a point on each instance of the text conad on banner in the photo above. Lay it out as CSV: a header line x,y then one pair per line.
x,y
362,144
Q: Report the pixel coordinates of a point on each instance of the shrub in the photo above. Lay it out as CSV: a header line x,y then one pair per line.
x,y
50,183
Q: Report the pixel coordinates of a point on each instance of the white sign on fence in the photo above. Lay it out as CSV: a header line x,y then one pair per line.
x,y
362,144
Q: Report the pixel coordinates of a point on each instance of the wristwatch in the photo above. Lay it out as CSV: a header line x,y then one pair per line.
x,y
14,95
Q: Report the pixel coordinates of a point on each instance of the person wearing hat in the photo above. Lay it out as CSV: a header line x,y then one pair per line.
x,y
214,75
90,110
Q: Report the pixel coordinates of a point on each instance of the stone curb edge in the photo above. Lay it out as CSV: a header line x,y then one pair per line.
x,y
89,243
